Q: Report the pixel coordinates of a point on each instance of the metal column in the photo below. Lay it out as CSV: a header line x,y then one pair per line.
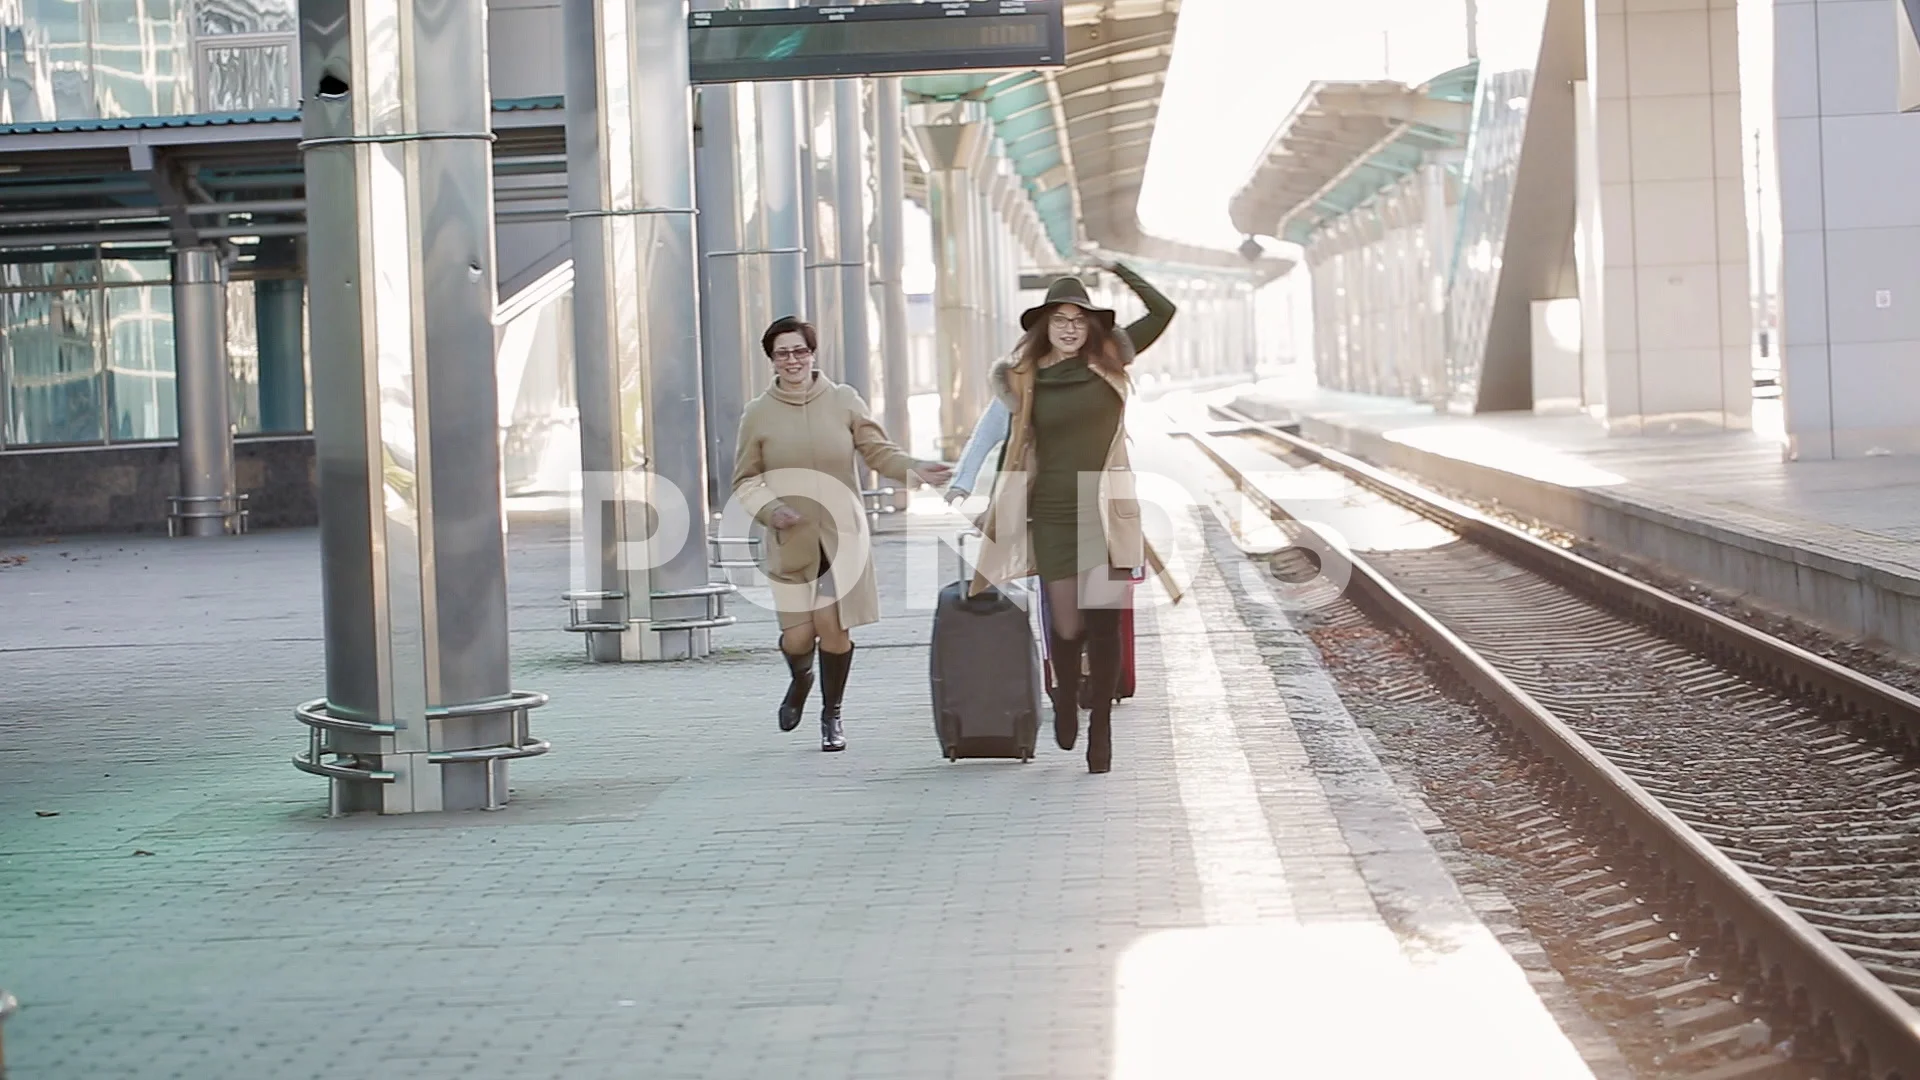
x,y
894,351
953,135
419,714
770,252
279,307
825,255
987,336
850,214
994,303
773,254
206,504
803,95
642,588
725,387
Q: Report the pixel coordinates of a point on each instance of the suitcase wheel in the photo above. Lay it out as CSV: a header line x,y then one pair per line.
x,y
950,736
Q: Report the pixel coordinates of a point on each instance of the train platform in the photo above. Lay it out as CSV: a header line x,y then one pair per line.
x,y
1833,543
679,890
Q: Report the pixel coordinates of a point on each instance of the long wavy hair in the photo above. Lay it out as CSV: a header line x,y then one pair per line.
x,y
1102,350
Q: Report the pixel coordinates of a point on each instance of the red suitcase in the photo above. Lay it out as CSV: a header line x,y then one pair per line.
x,y
1125,685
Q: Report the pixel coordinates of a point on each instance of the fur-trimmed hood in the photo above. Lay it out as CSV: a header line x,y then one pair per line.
x,y
1000,375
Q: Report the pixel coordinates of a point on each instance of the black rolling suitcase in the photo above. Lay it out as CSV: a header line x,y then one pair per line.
x,y
987,681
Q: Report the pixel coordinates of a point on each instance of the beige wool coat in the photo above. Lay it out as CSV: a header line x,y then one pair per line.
x,y
797,450
1006,550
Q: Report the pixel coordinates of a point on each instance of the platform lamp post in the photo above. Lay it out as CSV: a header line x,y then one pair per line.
x,y
420,713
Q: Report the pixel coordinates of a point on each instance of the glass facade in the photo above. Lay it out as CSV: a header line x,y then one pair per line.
x,y
139,351
1378,273
104,59
1510,37
86,353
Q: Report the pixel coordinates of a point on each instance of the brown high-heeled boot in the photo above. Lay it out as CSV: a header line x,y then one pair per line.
x,y
800,670
1065,654
1103,674
834,668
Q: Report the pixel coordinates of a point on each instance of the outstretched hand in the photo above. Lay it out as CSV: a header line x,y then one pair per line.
x,y
933,473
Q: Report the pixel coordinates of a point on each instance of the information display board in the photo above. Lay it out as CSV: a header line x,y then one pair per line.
x,y
874,39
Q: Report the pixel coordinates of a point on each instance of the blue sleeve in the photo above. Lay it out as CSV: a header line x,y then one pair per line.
x,y
990,432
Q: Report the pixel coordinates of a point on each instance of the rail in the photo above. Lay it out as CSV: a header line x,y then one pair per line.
x,y
355,763
230,510
1870,1024
715,593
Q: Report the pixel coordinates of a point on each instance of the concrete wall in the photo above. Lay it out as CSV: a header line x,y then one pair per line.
x,y
125,488
1850,219
1676,325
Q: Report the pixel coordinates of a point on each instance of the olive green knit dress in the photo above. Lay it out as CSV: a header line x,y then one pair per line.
x,y
1075,416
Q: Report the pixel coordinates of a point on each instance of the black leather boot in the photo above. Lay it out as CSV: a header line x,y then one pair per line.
x,y
1066,687
1103,674
801,668
833,686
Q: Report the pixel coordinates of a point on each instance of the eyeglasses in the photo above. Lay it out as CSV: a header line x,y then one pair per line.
x,y
800,353
1067,322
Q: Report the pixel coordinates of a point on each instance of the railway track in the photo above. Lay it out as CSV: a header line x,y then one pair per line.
x,y
1772,792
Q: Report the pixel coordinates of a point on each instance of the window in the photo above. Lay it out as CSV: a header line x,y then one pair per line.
x,y
245,53
87,353
246,76
49,344
140,363
102,59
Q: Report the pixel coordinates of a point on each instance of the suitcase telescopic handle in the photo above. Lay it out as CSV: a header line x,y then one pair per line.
x,y
960,551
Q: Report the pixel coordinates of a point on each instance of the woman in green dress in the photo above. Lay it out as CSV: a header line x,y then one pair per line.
x,y
1065,390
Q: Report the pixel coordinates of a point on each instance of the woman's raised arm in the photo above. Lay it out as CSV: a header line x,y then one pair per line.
x,y
1147,329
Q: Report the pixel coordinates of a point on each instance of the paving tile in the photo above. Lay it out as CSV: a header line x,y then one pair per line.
x,y
679,889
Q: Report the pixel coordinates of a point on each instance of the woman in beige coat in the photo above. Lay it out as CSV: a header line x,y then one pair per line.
x,y
794,472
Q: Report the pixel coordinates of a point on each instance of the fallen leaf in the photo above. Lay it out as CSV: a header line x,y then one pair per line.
x,y
46,813
137,851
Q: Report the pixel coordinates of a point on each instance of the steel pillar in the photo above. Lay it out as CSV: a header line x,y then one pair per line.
x,y
768,252
279,310
279,307
953,135
993,305
419,714
1006,269
726,386
894,351
773,257
205,506
826,303
850,216
987,334
642,588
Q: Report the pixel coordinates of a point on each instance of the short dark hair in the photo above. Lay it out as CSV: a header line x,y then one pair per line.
x,y
789,324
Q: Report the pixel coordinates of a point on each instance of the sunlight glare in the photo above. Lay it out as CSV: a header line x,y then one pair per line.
x,y
1238,68
1329,1000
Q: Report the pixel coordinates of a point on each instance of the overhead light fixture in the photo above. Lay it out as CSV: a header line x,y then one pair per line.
x,y
9,170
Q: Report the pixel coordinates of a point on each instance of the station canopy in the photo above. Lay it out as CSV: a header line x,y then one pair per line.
x,y
1079,136
1343,144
